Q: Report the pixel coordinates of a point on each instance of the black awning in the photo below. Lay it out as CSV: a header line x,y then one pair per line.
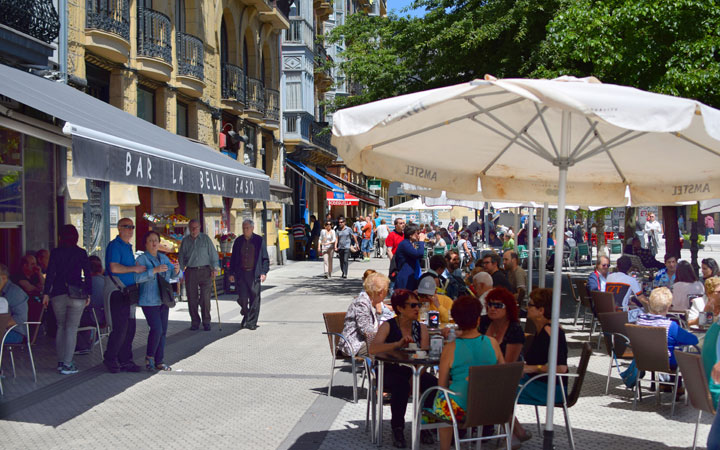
x,y
112,145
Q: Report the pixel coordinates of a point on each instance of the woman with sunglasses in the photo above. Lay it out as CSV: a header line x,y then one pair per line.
x,y
536,355
395,334
326,247
502,324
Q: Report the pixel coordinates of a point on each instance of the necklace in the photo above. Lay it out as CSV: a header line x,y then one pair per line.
x,y
497,331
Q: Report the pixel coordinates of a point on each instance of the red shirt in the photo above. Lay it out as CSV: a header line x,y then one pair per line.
x,y
393,240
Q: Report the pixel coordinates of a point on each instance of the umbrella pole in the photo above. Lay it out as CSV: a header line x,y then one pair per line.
x,y
562,164
531,249
543,244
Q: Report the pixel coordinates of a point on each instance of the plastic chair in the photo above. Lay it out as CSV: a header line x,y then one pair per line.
x,y
494,385
696,384
4,320
650,351
584,253
568,400
334,324
617,345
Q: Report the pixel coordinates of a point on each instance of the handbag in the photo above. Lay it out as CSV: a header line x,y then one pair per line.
x,y
75,292
131,294
165,288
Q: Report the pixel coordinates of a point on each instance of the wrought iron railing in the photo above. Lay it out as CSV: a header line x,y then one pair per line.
x,y
272,104
37,18
109,15
190,56
154,30
255,95
321,60
233,82
320,135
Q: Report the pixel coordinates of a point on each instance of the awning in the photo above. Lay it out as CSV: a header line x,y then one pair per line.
x,y
324,181
341,199
280,193
112,145
353,187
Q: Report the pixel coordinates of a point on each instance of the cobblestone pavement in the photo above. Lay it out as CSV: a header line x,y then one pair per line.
x,y
265,389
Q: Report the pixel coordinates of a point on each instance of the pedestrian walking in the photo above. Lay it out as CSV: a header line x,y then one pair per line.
x,y
156,312
64,287
653,229
382,233
326,247
345,237
121,269
249,265
198,259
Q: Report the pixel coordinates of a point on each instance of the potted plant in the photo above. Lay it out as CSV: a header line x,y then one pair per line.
x,y
226,241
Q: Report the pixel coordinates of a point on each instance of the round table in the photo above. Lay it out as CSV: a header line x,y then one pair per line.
x,y
403,358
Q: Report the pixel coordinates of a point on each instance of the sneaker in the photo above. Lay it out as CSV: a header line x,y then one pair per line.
x,y
60,366
69,369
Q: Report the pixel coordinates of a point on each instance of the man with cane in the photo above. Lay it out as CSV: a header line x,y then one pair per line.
x,y
198,259
249,265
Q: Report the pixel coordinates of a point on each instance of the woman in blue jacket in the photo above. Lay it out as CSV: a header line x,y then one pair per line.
x,y
407,257
156,313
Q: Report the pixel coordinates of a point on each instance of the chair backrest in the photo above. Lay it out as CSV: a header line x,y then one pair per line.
x,y
649,346
581,290
603,301
692,370
334,323
573,288
4,320
581,370
614,322
494,385
583,249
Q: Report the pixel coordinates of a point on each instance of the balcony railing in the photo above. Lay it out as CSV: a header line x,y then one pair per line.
x,y
272,104
37,18
298,123
154,30
112,16
233,83
255,95
320,135
190,56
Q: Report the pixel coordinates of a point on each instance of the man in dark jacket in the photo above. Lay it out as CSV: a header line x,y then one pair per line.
x,y
249,265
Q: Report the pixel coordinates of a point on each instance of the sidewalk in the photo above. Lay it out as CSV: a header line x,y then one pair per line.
x,y
265,389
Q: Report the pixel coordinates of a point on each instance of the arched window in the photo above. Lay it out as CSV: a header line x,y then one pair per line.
x,y
223,43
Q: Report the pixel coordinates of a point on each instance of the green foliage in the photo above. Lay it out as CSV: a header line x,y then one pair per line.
x,y
669,46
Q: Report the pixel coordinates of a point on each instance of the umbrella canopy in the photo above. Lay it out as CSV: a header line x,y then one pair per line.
x,y
415,204
565,140
508,132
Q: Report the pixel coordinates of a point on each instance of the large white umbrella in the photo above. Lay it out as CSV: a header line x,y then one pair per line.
x,y
415,204
565,140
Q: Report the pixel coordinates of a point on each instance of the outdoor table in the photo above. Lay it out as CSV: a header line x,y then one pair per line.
x,y
403,358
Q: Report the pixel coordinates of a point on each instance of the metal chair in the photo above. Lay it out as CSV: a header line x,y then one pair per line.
x,y
617,345
650,352
696,384
4,320
494,385
568,400
602,302
578,289
334,324
97,329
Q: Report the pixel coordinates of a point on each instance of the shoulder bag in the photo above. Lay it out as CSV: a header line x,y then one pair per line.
x,y
131,294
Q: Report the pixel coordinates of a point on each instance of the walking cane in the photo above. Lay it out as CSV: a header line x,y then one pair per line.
x,y
217,303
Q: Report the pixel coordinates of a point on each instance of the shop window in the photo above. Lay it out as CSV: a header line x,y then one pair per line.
x,y
146,104
182,119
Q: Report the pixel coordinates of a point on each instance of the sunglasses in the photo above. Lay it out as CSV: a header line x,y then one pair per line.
x,y
496,305
128,227
412,305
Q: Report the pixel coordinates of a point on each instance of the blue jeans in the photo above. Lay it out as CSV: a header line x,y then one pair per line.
x,y
366,246
713,440
157,320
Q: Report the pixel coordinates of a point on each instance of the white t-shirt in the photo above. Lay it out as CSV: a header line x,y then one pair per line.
x,y
698,306
4,307
622,286
683,292
327,239
652,226
382,231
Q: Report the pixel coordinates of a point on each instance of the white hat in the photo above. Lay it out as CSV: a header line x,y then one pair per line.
x,y
569,234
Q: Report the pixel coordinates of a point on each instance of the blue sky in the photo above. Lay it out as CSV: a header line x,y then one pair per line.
x,y
397,5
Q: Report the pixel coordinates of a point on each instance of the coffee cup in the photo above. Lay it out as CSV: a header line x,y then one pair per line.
x,y
412,346
421,354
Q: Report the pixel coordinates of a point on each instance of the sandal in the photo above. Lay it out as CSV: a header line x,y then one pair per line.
x,y
163,367
150,363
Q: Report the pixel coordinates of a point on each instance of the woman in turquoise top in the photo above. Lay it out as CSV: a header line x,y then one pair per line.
x,y
156,313
469,349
